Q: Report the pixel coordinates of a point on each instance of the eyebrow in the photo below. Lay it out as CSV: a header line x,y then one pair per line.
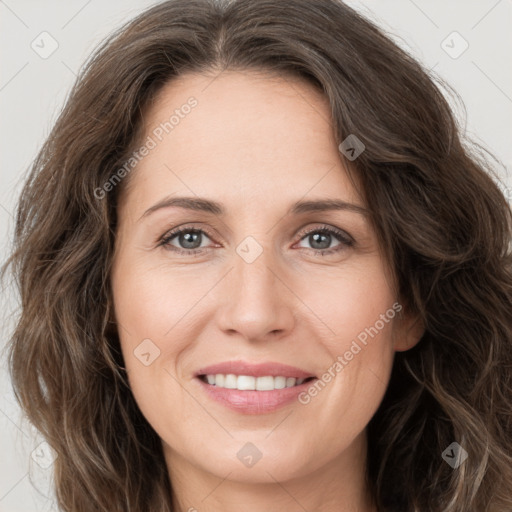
x,y
215,208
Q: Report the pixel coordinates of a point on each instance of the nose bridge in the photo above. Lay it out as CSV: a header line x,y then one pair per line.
x,y
257,303
254,271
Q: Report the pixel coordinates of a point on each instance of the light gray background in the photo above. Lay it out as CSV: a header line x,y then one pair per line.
x,y
33,89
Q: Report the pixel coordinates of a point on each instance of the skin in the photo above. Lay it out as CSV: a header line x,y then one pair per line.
x,y
256,144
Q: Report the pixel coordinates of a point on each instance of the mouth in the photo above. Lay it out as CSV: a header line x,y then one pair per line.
x,y
250,388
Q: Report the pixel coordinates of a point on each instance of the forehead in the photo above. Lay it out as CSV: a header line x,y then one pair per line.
x,y
244,137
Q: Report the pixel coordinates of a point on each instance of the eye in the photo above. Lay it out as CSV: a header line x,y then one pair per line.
x,y
321,238
190,241
185,240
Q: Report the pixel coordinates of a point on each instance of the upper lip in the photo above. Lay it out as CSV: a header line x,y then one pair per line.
x,y
254,369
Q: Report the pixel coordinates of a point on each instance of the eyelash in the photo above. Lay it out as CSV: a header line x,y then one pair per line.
x,y
344,239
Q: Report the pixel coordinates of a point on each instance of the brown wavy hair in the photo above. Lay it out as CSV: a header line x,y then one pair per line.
x,y
441,219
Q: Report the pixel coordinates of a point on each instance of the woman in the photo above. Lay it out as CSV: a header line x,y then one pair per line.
x,y
259,270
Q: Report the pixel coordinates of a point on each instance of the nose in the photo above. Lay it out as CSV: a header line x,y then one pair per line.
x,y
258,303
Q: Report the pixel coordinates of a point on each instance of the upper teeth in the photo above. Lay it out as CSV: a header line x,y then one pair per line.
x,y
248,382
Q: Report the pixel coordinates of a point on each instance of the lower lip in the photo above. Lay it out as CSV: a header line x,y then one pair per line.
x,y
254,402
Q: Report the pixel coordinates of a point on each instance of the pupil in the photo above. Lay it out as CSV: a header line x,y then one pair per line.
x,y
189,239
317,244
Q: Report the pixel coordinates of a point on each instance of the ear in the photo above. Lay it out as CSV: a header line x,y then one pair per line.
x,y
409,331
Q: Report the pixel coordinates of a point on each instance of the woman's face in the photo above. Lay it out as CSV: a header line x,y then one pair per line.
x,y
283,269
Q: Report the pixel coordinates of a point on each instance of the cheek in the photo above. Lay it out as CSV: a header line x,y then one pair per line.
x,y
150,307
349,392
152,300
356,304
359,313
160,312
